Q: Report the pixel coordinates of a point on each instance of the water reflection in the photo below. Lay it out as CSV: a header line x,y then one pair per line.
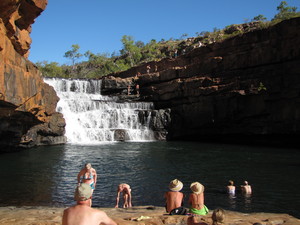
x,y
247,202
232,201
29,176
47,176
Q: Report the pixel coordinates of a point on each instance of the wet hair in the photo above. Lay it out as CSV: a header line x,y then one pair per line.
x,y
218,216
88,164
230,182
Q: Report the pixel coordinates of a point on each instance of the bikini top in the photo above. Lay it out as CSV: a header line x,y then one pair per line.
x,y
88,178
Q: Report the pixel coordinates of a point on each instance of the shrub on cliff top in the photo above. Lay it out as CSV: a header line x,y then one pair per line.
x,y
135,53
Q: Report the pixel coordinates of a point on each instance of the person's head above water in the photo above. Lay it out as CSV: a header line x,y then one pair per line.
x,y
230,182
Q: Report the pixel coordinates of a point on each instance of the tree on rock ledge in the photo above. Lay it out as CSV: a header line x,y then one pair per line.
x,y
130,49
285,11
73,54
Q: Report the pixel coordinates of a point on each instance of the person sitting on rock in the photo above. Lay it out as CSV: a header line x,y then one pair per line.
x,y
82,213
126,191
218,218
174,198
196,199
246,188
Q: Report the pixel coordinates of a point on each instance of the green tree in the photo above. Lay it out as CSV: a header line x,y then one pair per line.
x,y
91,56
52,69
259,18
184,36
285,11
130,49
140,44
73,54
151,51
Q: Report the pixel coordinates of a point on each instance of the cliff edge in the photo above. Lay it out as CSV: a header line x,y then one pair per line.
x,y
242,89
27,105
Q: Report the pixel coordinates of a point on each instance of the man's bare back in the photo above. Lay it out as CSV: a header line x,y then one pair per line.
x,y
85,215
173,200
82,213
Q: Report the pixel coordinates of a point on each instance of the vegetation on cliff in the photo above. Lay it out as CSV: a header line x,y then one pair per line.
x,y
135,53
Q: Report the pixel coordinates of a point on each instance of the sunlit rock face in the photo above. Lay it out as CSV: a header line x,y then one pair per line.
x,y
243,89
27,104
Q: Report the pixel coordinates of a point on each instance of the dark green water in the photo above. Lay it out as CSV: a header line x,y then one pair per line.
x,y
47,175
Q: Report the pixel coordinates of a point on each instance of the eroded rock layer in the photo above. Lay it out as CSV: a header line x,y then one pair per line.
x,y
246,88
27,105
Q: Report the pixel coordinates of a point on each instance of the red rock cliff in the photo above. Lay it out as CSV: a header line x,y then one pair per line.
x,y
243,88
27,104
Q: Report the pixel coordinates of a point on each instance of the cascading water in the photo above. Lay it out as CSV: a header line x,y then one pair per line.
x,y
92,118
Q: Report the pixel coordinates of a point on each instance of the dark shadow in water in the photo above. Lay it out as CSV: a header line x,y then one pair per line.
x,y
29,176
47,175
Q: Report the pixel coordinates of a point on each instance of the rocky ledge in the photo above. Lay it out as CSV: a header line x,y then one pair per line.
x,y
245,88
28,114
143,215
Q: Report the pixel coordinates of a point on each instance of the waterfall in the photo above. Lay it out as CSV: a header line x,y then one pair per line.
x,y
92,118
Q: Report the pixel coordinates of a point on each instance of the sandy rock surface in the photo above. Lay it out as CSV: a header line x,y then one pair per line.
x,y
140,215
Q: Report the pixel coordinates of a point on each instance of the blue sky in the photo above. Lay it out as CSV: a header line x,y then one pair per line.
x,y
98,25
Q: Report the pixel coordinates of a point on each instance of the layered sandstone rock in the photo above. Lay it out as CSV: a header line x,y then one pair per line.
x,y
27,104
139,215
244,88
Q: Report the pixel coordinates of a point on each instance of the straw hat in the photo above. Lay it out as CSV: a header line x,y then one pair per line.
x,y
83,192
197,188
175,185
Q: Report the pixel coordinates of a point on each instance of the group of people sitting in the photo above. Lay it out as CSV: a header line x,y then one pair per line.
x,y
82,213
174,199
174,204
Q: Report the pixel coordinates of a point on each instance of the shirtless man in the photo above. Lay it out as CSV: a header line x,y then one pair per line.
x,y
174,198
246,188
125,189
82,213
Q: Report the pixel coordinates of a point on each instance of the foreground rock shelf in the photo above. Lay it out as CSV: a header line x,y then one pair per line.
x,y
140,215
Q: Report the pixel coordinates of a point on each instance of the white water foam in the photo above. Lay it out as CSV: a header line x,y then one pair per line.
x,y
92,118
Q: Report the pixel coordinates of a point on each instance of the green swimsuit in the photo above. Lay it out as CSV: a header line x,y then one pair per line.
x,y
202,211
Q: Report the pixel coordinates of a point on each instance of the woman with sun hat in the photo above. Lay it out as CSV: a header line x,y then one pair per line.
x,y
196,199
